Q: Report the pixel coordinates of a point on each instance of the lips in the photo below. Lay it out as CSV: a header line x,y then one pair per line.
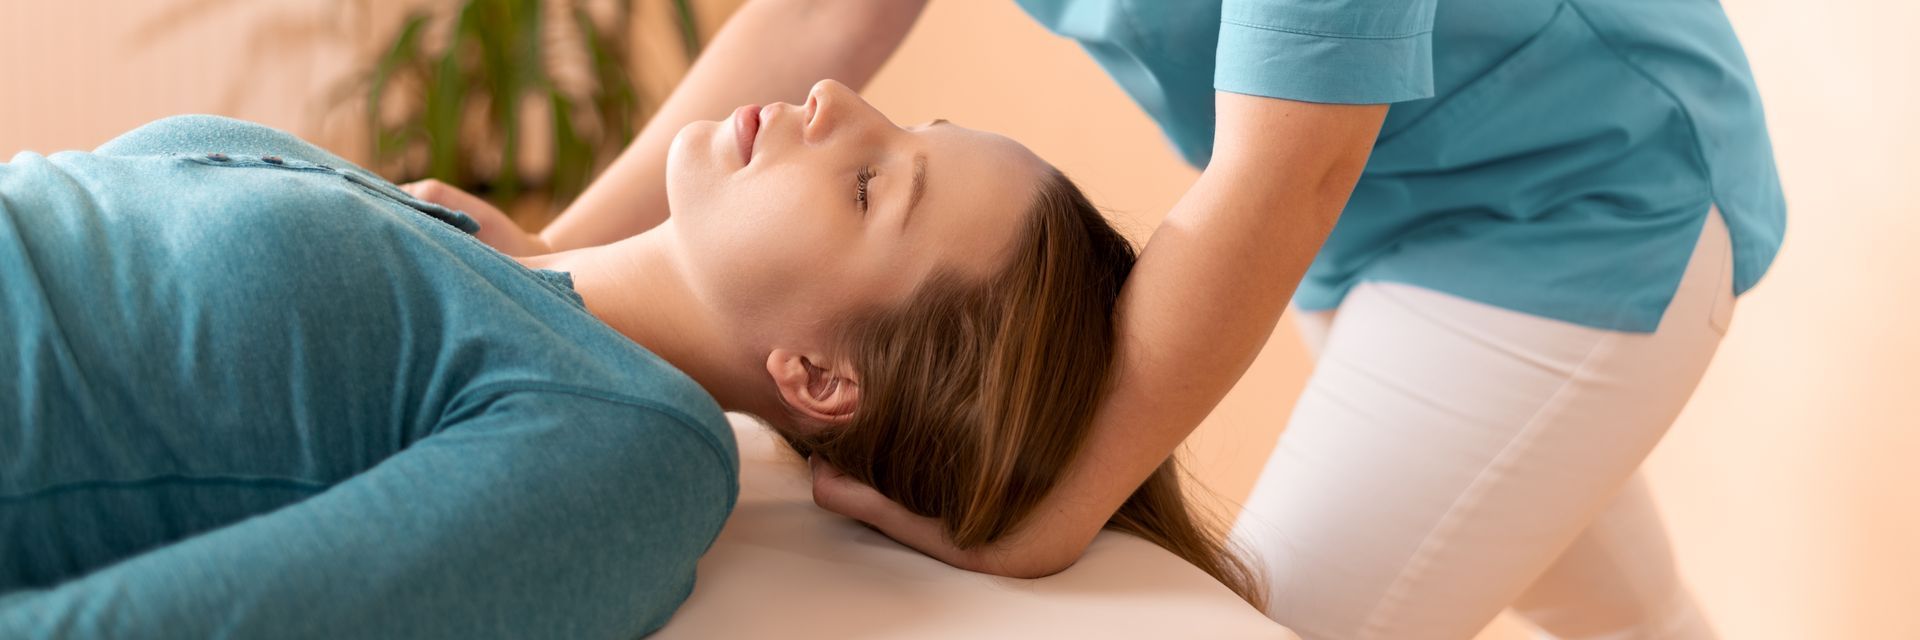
x,y
746,128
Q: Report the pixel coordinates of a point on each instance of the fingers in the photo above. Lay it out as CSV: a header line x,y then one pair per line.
x,y
837,492
497,230
834,491
427,189
451,197
840,493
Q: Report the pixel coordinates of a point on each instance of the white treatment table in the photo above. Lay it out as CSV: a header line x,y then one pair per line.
x,y
785,568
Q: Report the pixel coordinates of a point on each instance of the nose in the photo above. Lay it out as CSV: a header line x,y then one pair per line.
x,y
833,106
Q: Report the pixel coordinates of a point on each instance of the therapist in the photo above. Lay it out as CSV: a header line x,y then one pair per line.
x,y
1537,249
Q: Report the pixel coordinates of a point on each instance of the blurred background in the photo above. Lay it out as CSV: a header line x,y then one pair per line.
x,y
1791,484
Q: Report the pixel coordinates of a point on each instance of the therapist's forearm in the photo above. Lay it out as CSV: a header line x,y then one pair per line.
x,y
769,51
1207,292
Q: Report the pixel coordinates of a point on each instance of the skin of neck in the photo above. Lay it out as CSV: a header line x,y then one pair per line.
x,y
638,287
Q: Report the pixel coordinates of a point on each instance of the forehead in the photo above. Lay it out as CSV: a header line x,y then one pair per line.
x,y
979,189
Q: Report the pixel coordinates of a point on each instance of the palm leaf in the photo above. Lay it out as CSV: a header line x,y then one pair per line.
x,y
492,61
446,102
404,50
689,28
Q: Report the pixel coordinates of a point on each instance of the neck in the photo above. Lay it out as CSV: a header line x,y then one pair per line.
x,y
638,286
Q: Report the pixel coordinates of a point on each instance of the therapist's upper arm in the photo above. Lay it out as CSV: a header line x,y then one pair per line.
x,y
1302,88
1303,84
1328,51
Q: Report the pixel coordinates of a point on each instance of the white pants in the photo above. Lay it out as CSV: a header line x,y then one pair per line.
x,y
1449,459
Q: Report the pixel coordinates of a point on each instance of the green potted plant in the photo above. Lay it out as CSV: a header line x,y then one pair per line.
x,y
454,93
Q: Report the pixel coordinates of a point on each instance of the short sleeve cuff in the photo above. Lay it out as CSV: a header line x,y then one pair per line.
x,y
1276,63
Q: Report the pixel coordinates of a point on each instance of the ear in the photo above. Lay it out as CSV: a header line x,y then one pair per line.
x,y
827,392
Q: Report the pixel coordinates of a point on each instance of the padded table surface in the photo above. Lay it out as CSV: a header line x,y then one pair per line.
x,y
785,568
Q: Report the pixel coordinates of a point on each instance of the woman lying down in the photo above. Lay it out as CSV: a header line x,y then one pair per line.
x,y
251,389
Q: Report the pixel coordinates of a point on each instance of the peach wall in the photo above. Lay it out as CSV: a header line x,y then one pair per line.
x,y
1790,482
79,73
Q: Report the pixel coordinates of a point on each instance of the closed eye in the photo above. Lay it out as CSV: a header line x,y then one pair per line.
x,y
860,188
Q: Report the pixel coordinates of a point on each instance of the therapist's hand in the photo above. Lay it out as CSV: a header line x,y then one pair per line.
x,y
835,491
496,229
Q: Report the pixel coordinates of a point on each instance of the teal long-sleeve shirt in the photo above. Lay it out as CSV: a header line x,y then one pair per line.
x,y
250,390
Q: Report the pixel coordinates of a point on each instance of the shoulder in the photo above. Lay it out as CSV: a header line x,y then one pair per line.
x,y
637,443
644,400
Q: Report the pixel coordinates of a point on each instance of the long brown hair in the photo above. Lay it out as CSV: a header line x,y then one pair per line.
x,y
976,395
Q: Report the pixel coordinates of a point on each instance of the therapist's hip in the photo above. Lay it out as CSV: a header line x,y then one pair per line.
x,y
1446,452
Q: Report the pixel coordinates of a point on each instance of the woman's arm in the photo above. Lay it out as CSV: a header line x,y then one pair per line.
x,y
1208,289
769,51
545,515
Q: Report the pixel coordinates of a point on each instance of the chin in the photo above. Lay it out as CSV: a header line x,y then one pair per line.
x,y
690,149
689,145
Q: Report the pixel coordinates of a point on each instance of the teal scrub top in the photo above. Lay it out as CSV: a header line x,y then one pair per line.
x,y
1553,158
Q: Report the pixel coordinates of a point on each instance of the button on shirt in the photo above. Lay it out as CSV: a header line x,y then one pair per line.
x,y
1554,158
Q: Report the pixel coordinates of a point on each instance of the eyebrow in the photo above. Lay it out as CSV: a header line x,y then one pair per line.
x,y
919,176
919,186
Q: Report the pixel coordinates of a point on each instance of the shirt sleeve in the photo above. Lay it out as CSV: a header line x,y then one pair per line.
x,y
545,515
1332,51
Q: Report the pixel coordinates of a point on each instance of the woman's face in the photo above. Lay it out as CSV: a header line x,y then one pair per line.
x,y
793,216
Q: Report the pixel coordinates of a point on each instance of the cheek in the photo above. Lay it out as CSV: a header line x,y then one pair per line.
x,y
759,257
776,250
770,244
